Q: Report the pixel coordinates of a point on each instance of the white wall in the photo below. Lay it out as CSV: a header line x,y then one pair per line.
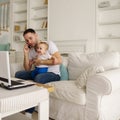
x,y
72,20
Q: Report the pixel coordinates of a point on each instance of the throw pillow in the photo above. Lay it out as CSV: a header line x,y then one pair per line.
x,y
90,71
63,72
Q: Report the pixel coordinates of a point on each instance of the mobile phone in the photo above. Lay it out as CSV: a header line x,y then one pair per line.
x,y
29,46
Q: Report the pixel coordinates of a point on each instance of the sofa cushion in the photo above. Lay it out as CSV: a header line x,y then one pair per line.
x,y
90,71
67,90
78,62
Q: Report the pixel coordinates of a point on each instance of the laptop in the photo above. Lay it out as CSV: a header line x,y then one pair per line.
x,y
5,79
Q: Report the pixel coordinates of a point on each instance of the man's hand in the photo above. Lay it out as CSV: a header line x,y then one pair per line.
x,y
26,63
36,61
26,48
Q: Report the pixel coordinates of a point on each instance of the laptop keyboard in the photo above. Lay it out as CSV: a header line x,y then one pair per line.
x,y
12,82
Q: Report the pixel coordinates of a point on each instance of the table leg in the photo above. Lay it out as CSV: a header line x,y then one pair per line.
x,y
43,110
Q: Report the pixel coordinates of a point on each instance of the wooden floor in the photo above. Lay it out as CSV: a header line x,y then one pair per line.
x,y
21,116
35,116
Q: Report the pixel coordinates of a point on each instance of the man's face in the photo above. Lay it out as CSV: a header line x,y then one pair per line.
x,y
30,39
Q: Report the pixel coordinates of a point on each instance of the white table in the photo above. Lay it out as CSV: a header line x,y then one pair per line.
x,y
14,101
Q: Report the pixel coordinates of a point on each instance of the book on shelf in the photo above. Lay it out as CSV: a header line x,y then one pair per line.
x,y
44,24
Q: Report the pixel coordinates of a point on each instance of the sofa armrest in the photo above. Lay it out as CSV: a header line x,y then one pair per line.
x,y
97,87
14,67
106,82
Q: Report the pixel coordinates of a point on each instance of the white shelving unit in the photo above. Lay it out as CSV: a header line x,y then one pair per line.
x,y
108,22
29,14
19,12
39,17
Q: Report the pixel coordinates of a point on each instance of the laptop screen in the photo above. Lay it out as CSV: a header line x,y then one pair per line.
x,y
5,66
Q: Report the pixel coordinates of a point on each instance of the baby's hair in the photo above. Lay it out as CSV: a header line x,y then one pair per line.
x,y
41,42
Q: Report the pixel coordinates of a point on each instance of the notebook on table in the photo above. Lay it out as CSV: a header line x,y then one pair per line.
x,y
5,79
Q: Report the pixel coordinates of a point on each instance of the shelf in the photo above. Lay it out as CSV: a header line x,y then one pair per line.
x,y
21,31
41,29
39,18
20,21
109,23
112,37
21,11
20,1
110,8
40,7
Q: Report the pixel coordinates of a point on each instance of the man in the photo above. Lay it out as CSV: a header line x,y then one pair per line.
x,y
53,74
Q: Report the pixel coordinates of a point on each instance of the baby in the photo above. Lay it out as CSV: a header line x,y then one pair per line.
x,y
42,53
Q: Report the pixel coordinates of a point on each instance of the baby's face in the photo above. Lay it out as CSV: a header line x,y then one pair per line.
x,y
41,49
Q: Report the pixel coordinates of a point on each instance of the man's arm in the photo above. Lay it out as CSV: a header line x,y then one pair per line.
x,y
57,60
26,62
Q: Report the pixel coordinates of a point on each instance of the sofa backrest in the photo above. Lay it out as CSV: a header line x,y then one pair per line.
x,y
78,62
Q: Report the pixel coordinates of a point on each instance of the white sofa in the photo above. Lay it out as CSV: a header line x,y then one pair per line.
x,y
92,91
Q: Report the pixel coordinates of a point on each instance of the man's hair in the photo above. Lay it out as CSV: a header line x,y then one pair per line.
x,y
30,30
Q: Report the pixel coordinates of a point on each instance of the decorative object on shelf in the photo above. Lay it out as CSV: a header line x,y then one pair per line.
x,y
5,47
16,28
104,4
46,2
110,8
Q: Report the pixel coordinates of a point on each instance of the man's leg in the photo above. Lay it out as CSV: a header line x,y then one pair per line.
x,y
26,75
46,77
34,72
30,110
